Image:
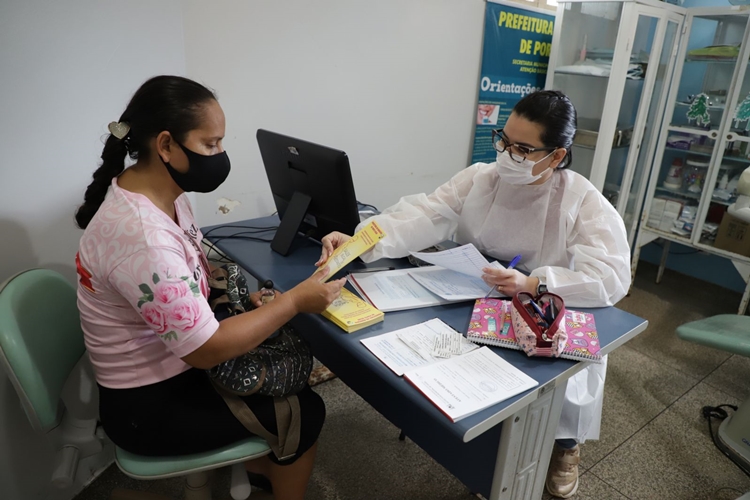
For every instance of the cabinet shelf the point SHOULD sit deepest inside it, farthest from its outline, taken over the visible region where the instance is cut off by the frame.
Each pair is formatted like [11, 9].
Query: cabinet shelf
[711, 60]
[688, 129]
[602, 78]
[614, 148]
[692, 196]
[710, 108]
[708, 155]
[667, 235]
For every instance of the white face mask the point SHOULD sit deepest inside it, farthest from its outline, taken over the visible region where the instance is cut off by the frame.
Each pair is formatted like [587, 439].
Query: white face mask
[516, 173]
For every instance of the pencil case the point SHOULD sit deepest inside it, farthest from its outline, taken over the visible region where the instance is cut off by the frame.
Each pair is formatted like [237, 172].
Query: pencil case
[539, 323]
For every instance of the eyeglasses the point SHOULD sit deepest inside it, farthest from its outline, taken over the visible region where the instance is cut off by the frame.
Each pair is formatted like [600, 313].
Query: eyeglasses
[517, 152]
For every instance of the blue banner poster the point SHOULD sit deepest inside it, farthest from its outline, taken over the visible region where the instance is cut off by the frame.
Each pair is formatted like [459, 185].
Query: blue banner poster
[517, 43]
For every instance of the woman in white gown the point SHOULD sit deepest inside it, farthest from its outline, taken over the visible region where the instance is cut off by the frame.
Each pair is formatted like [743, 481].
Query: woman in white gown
[572, 241]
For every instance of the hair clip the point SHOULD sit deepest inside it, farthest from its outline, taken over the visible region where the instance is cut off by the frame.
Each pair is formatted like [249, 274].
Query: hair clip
[119, 129]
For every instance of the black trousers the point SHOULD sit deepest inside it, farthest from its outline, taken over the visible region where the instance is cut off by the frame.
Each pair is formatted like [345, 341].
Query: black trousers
[185, 415]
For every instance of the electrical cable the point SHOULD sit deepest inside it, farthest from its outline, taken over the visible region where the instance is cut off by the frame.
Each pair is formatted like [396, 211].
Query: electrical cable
[366, 205]
[713, 496]
[237, 226]
[251, 230]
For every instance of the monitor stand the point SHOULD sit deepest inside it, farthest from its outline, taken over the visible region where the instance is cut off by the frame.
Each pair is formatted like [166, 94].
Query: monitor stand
[290, 223]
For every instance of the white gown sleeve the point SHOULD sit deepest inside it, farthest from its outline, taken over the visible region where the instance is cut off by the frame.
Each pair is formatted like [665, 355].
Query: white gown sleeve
[419, 221]
[598, 248]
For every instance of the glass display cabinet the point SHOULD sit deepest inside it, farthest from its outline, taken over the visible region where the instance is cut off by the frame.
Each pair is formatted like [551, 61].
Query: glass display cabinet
[695, 195]
[615, 60]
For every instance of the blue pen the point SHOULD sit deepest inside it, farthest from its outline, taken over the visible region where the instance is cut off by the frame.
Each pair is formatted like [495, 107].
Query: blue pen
[512, 264]
[539, 312]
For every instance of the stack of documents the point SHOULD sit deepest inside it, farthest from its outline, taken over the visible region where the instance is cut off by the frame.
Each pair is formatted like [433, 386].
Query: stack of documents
[350, 313]
[459, 378]
[456, 275]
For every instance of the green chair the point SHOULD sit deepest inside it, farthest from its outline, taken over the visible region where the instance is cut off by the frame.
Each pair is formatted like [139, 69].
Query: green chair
[40, 343]
[730, 333]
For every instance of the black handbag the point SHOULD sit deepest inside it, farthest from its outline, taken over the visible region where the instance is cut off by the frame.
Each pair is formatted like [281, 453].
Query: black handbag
[278, 367]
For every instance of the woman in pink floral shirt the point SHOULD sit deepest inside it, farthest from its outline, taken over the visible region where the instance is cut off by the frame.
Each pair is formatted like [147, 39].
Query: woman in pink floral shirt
[143, 290]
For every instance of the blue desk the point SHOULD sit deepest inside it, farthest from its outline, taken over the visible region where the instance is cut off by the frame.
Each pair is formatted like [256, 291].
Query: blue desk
[507, 461]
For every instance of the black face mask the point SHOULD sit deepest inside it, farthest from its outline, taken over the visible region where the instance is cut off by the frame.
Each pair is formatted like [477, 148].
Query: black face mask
[205, 173]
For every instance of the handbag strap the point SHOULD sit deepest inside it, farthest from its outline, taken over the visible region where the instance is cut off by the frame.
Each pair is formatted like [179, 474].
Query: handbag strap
[288, 422]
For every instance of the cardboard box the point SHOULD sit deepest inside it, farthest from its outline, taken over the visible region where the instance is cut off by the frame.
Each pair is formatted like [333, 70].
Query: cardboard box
[733, 235]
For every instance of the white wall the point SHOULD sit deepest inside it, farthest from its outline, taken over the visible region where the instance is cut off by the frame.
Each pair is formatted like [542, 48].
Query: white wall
[391, 82]
[66, 70]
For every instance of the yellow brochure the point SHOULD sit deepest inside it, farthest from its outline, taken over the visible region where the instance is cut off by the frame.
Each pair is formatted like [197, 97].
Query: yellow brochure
[350, 313]
[361, 242]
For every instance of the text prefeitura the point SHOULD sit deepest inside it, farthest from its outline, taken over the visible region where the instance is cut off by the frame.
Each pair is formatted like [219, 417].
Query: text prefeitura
[525, 23]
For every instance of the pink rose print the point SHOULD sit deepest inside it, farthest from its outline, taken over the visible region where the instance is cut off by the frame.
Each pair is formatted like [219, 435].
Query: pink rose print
[166, 292]
[182, 314]
[154, 316]
[170, 305]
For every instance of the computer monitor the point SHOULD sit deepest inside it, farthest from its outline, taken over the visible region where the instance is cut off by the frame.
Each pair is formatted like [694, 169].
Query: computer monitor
[312, 188]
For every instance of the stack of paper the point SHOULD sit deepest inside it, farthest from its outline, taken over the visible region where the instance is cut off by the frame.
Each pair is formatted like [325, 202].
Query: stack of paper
[456, 275]
[350, 313]
[461, 385]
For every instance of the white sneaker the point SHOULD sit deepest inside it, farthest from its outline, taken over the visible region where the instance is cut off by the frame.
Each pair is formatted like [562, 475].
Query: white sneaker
[562, 476]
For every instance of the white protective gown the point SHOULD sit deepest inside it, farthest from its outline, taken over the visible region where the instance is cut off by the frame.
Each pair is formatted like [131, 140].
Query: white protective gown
[566, 232]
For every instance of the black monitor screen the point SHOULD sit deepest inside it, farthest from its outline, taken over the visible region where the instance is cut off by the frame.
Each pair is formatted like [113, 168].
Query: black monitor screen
[320, 172]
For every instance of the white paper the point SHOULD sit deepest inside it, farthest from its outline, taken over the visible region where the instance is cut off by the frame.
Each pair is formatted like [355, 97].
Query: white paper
[411, 347]
[452, 286]
[465, 385]
[465, 259]
[447, 344]
[394, 290]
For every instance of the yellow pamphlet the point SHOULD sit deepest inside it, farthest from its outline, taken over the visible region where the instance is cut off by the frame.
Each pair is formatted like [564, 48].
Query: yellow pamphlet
[350, 313]
[358, 244]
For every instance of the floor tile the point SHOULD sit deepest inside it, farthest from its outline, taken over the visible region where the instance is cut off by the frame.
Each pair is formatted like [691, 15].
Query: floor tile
[666, 307]
[592, 488]
[673, 457]
[637, 389]
[360, 456]
[732, 377]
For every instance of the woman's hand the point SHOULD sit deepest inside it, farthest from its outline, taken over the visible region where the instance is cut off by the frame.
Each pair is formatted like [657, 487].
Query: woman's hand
[314, 296]
[255, 297]
[509, 281]
[330, 243]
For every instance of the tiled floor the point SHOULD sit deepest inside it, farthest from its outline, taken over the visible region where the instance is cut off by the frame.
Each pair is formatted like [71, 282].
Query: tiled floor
[654, 443]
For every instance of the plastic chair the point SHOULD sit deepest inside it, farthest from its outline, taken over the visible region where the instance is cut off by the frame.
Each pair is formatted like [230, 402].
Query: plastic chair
[40, 343]
[731, 333]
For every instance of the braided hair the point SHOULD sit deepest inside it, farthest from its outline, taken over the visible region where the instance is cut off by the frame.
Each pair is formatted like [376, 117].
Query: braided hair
[171, 103]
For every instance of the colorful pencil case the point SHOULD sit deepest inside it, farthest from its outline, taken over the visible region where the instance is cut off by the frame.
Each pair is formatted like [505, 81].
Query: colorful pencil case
[539, 323]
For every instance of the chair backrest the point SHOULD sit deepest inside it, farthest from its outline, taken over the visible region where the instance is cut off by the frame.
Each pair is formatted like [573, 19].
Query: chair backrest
[40, 341]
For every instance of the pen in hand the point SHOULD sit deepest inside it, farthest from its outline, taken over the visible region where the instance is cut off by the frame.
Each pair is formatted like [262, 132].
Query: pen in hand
[512, 264]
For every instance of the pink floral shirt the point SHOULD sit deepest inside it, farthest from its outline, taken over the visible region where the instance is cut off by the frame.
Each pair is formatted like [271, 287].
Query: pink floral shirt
[142, 290]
